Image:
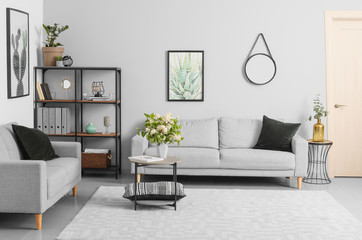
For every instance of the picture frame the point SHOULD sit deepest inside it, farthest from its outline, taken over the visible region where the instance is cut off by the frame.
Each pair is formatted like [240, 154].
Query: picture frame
[185, 75]
[17, 34]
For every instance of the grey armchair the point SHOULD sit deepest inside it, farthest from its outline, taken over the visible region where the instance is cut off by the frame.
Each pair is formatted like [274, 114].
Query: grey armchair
[30, 186]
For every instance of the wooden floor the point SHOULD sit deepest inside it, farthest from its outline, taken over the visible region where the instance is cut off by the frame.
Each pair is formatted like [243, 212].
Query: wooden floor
[347, 191]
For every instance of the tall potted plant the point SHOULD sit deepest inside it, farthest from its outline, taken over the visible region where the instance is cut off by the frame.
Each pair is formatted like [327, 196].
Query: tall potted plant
[319, 112]
[52, 49]
[161, 130]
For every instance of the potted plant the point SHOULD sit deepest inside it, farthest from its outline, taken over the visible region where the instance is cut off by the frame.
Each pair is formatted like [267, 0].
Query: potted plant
[318, 128]
[59, 61]
[52, 49]
[161, 130]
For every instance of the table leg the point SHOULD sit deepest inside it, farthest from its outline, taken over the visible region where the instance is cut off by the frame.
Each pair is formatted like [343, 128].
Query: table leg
[135, 186]
[175, 179]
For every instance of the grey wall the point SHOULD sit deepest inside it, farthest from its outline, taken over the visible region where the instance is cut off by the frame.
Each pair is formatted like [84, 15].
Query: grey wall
[20, 109]
[135, 35]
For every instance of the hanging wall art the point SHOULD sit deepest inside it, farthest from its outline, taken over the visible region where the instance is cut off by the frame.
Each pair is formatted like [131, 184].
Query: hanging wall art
[185, 76]
[17, 34]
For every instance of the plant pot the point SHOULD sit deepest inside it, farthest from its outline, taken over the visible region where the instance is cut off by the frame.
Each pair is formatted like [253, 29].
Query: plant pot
[318, 132]
[162, 150]
[59, 64]
[50, 53]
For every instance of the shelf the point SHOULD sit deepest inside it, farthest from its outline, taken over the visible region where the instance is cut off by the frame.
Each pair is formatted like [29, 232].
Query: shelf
[84, 134]
[79, 101]
[77, 68]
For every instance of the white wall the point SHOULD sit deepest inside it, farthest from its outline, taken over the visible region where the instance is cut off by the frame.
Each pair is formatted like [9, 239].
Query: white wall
[19, 109]
[135, 35]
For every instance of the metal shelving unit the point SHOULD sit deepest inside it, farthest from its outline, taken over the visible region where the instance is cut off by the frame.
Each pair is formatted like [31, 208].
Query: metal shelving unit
[78, 103]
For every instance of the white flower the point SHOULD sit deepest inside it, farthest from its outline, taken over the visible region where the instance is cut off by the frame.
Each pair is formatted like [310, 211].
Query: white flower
[153, 131]
[166, 118]
[151, 120]
[164, 130]
[172, 122]
[168, 126]
[157, 115]
[160, 128]
[147, 130]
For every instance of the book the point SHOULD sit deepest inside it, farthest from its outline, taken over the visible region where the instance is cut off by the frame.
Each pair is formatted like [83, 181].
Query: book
[58, 120]
[39, 113]
[51, 120]
[40, 92]
[46, 120]
[43, 91]
[146, 159]
[93, 150]
[47, 91]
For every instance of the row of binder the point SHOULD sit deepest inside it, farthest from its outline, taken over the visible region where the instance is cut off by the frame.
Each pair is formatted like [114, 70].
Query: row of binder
[53, 120]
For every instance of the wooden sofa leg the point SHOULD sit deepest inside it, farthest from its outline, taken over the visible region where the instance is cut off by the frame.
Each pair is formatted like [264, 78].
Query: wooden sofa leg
[75, 188]
[138, 177]
[299, 179]
[38, 219]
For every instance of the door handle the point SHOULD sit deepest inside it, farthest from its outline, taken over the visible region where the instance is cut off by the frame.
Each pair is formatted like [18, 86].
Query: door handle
[339, 105]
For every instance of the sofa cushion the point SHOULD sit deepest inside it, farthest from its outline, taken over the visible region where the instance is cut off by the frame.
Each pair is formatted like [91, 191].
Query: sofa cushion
[61, 172]
[256, 159]
[34, 143]
[276, 135]
[199, 133]
[8, 138]
[238, 133]
[190, 157]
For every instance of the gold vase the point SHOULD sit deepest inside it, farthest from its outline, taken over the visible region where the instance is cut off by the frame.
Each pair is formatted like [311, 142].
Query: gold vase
[318, 131]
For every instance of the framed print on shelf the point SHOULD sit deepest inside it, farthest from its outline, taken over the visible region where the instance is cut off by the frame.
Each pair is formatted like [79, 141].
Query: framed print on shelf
[185, 76]
[17, 34]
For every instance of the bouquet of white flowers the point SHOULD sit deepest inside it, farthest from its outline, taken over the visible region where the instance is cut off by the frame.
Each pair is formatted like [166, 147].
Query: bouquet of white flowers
[161, 129]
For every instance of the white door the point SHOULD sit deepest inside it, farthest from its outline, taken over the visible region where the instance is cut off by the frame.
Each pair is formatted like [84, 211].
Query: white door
[344, 91]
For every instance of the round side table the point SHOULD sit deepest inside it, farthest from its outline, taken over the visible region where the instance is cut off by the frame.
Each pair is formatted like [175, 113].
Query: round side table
[317, 162]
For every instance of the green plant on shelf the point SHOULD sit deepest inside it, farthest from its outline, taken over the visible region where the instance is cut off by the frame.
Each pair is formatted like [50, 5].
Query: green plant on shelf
[53, 33]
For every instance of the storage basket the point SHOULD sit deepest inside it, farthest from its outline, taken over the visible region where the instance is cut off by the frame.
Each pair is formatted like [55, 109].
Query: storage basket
[96, 160]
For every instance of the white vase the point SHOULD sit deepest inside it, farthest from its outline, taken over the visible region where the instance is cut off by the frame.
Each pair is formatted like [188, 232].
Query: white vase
[162, 149]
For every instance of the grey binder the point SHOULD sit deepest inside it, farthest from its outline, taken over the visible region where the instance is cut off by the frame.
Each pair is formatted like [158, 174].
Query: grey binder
[65, 121]
[39, 121]
[58, 121]
[46, 120]
[51, 120]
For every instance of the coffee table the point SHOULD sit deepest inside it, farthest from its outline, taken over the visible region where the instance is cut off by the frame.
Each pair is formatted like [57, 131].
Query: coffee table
[167, 161]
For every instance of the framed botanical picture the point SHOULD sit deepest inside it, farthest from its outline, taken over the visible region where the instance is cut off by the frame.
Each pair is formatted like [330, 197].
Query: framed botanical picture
[185, 76]
[17, 34]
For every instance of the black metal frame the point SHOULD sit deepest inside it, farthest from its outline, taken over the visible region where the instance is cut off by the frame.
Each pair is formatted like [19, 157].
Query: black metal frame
[168, 75]
[174, 167]
[78, 80]
[262, 54]
[317, 163]
[8, 45]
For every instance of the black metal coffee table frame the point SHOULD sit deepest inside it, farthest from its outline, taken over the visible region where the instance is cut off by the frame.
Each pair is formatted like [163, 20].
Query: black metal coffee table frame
[137, 165]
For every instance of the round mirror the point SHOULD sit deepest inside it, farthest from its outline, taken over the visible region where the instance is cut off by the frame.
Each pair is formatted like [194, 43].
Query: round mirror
[260, 69]
[66, 84]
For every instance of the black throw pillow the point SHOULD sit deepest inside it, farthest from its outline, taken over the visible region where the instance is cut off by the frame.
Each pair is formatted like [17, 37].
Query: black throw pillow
[276, 135]
[34, 144]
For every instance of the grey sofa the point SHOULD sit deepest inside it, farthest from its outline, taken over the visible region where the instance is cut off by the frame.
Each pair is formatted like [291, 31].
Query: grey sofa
[224, 147]
[29, 186]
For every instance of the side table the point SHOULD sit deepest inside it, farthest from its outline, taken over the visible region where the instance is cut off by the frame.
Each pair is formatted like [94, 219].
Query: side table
[167, 161]
[317, 162]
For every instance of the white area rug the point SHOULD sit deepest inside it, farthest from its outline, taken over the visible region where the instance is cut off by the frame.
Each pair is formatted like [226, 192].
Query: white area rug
[216, 214]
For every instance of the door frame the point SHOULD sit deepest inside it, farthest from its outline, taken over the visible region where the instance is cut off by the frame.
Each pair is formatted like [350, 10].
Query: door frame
[330, 17]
